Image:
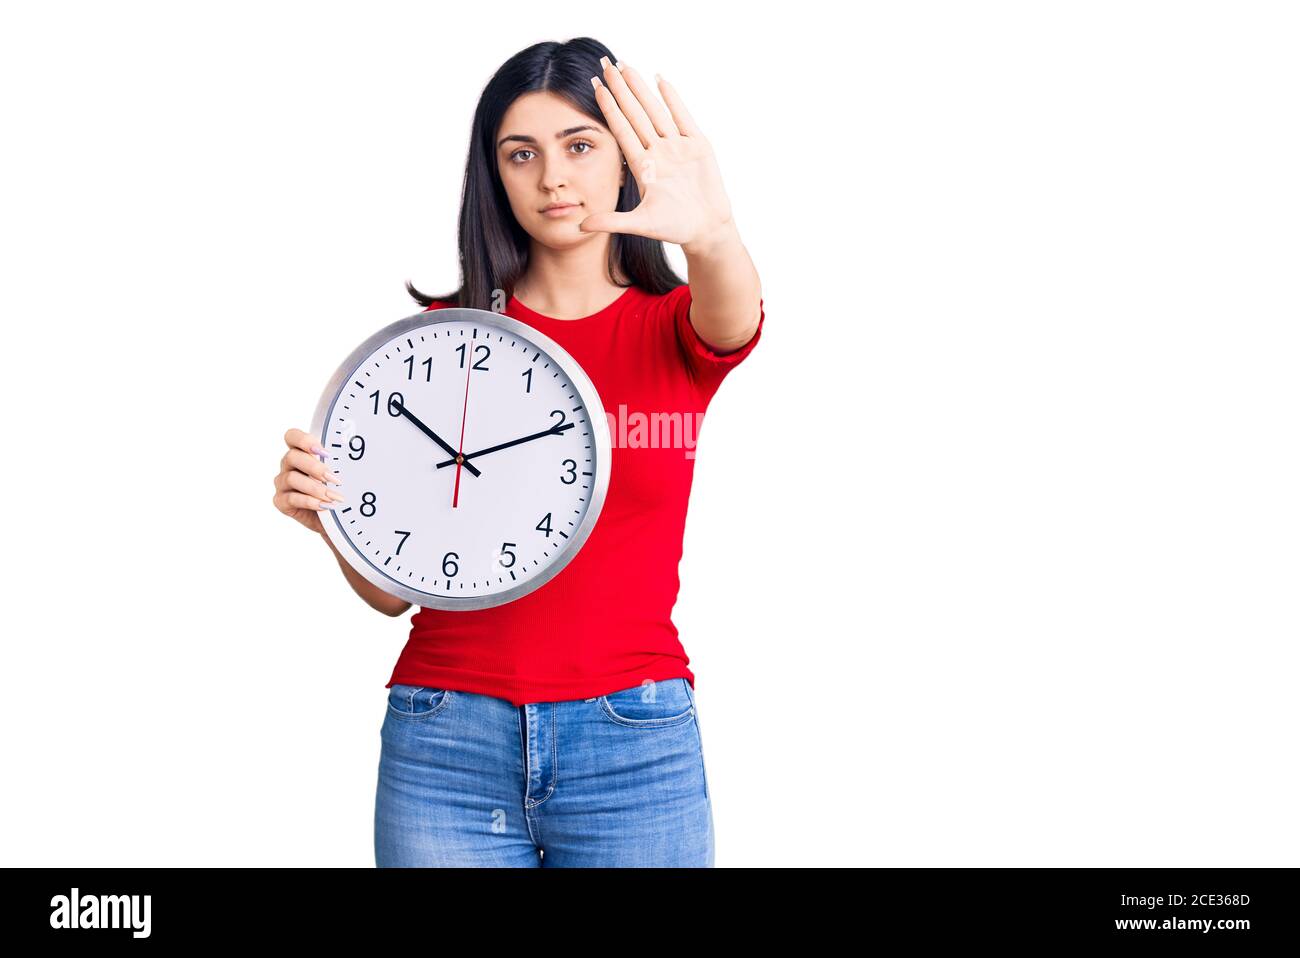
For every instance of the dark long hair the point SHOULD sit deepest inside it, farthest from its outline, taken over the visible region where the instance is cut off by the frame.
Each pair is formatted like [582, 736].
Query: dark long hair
[493, 246]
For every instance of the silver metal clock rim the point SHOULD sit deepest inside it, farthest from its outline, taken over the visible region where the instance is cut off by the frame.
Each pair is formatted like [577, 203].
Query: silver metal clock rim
[600, 441]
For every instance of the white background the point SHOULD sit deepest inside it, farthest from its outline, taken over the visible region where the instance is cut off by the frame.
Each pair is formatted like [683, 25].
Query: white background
[992, 553]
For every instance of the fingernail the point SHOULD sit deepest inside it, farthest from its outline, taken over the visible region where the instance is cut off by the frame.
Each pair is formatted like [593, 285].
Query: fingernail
[325, 505]
[595, 83]
[335, 496]
[318, 450]
[619, 64]
[604, 61]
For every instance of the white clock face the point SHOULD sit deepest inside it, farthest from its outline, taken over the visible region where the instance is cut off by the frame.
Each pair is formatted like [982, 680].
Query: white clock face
[469, 463]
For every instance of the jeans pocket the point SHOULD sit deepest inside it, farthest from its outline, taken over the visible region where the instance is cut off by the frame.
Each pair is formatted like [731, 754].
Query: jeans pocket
[649, 705]
[416, 701]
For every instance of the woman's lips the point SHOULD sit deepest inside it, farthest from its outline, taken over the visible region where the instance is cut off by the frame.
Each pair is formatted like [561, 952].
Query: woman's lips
[559, 211]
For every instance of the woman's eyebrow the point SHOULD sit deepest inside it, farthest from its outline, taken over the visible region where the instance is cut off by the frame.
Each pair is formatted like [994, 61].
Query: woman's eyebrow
[559, 136]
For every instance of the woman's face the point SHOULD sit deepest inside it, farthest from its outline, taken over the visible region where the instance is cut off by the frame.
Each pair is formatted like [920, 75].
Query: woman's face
[548, 152]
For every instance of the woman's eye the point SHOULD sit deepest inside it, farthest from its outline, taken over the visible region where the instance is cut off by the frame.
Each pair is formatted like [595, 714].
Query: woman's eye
[514, 157]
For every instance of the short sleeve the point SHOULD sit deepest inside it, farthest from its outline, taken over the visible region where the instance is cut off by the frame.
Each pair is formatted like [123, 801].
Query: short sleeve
[706, 366]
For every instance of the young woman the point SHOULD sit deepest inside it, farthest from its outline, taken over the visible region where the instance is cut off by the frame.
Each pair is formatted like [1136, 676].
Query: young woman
[561, 729]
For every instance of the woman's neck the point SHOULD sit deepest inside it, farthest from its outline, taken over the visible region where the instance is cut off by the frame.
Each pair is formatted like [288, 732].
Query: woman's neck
[568, 284]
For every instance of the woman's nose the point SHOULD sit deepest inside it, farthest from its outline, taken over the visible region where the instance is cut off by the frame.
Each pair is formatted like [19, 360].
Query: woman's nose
[552, 176]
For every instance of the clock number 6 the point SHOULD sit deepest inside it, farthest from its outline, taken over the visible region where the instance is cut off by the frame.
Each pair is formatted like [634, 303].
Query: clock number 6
[450, 560]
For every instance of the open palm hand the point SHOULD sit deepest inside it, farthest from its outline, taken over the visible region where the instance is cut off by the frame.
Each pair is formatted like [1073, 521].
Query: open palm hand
[682, 197]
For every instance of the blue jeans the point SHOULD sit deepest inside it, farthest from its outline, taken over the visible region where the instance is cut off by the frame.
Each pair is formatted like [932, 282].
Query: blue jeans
[469, 780]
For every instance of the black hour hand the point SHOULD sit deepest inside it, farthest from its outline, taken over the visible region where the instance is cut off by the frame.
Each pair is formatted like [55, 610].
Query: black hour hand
[401, 407]
[553, 431]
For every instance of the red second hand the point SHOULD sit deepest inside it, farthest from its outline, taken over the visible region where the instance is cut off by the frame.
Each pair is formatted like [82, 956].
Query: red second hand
[460, 449]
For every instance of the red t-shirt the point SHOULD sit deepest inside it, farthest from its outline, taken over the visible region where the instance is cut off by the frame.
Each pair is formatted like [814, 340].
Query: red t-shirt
[604, 622]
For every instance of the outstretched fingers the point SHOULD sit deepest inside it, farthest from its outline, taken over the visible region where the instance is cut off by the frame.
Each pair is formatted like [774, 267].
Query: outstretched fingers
[631, 106]
[624, 135]
[662, 120]
[685, 122]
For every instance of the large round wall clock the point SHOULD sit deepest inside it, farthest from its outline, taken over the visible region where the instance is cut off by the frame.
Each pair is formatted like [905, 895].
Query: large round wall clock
[474, 455]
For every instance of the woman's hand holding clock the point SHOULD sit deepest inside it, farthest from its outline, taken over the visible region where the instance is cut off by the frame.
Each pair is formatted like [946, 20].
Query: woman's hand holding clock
[682, 197]
[300, 485]
[301, 489]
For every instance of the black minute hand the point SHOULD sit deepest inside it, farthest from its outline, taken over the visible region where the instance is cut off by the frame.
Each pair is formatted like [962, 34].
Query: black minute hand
[432, 435]
[553, 431]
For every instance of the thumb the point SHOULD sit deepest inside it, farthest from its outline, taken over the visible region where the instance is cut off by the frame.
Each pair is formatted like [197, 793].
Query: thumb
[610, 223]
